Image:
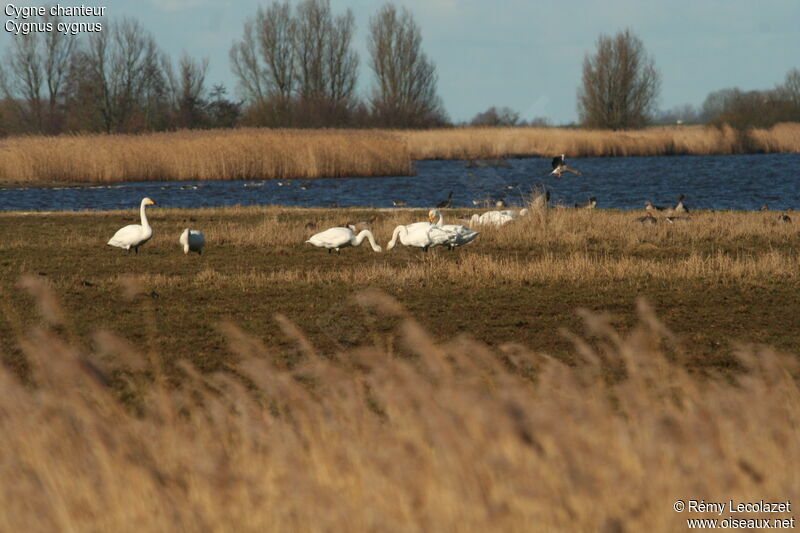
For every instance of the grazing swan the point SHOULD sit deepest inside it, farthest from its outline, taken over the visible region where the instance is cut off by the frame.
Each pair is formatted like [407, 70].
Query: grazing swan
[416, 235]
[135, 235]
[450, 235]
[192, 241]
[591, 204]
[560, 166]
[335, 238]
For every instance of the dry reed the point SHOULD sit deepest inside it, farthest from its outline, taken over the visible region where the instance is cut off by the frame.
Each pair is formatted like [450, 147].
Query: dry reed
[405, 434]
[203, 155]
[282, 154]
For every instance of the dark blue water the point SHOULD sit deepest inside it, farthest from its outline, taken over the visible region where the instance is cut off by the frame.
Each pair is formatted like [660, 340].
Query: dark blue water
[710, 182]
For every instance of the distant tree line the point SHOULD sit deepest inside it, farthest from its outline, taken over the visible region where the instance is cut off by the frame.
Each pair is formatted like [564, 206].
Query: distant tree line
[295, 66]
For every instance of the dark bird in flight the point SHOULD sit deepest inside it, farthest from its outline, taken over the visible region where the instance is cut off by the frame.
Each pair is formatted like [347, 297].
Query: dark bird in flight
[560, 166]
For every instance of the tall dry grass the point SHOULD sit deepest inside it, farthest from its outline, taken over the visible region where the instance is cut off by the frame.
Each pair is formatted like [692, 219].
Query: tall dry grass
[404, 434]
[203, 155]
[472, 143]
[281, 154]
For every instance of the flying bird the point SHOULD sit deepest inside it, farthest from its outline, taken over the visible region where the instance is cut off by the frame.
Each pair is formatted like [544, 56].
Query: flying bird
[560, 166]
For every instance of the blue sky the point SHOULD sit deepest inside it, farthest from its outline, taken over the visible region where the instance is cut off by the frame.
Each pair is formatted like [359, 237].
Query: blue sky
[526, 55]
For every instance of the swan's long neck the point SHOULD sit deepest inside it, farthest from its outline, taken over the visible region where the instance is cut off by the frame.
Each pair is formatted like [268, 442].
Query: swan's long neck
[145, 224]
[395, 235]
[440, 221]
[358, 239]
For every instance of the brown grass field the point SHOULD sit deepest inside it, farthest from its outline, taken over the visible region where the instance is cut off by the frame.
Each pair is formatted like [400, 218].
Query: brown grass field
[281, 154]
[571, 371]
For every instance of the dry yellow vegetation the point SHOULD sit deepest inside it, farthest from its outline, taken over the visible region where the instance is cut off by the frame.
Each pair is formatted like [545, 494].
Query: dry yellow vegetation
[252, 153]
[448, 436]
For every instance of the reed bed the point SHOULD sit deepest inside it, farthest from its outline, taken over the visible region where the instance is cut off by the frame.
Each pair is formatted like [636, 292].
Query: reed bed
[481, 143]
[253, 153]
[403, 433]
[203, 155]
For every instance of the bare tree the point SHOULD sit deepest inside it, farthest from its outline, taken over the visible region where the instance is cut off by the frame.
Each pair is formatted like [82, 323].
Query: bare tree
[300, 64]
[246, 66]
[188, 91]
[790, 90]
[494, 116]
[620, 84]
[276, 36]
[35, 73]
[326, 66]
[405, 90]
[122, 69]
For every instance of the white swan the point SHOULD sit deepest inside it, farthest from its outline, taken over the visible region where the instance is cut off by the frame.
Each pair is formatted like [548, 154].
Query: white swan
[450, 235]
[491, 218]
[135, 235]
[335, 238]
[416, 235]
[192, 241]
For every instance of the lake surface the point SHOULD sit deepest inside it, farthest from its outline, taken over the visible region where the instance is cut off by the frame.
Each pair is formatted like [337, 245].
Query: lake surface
[743, 182]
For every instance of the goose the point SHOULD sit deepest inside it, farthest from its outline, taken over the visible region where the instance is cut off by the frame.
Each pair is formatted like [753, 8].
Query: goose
[680, 208]
[647, 220]
[591, 204]
[192, 240]
[134, 235]
[560, 166]
[416, 235]
[784, 219]
[363, 224]
[541, 200]
[335, 238]
[677, 220]
[446, 203]
[450, 235]
[648, 205]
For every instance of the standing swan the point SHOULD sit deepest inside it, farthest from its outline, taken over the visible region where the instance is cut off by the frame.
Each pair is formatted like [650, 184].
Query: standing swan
[135, 235]
[335, 238]
[192, 241]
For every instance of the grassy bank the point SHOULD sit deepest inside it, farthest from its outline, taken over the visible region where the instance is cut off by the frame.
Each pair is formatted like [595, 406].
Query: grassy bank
[282, 154]
[270, 386]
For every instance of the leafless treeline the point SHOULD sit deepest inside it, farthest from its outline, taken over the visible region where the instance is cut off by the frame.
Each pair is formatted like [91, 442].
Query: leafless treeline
[296, 67]
[112, 81]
